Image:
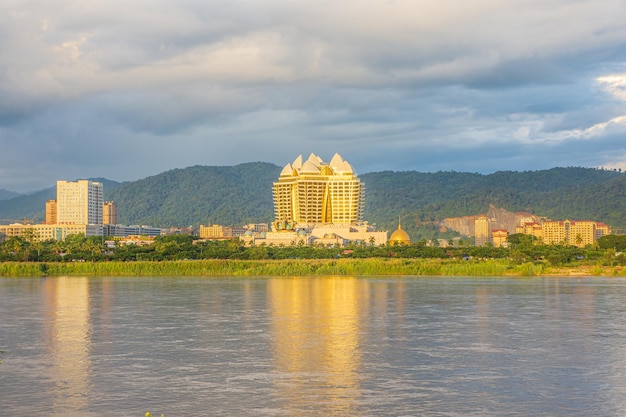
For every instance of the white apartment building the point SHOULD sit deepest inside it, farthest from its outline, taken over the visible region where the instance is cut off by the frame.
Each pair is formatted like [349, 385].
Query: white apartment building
[79, 202]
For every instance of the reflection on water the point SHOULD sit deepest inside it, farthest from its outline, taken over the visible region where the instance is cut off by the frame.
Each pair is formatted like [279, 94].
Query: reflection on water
[68, 341]
[313, 346]
[315, 325]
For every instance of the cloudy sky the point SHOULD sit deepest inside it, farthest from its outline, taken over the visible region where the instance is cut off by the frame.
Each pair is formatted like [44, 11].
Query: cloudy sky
[129, 89]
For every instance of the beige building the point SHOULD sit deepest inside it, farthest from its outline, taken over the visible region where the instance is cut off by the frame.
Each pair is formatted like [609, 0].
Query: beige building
[553, 232]
[109, 212]
[482, 230]
[42, 232]
[569, 232]
[79, 202]
[530, 228]
[215, 231]
[78, 208]
[499, 237]
[51, 212]
[602, 230]
[330, 234]
[565, 232]
[314, 192]
[344, 234]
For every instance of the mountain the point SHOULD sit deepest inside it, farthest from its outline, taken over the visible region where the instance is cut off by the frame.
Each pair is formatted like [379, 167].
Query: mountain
[199, 195]
[421, 200]
[6, 194]
[236, 195]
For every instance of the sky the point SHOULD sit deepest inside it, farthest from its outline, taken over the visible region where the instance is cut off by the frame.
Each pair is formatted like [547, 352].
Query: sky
[129, 89]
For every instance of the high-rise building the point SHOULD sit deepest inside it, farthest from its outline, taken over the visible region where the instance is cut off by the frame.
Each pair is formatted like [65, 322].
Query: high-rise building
[109, 212]
[482, 230]
[51, 212]
[79, 202]
[314, 192]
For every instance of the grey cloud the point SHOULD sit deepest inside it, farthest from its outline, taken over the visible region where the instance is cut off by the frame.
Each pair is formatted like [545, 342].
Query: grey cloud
[125, 89]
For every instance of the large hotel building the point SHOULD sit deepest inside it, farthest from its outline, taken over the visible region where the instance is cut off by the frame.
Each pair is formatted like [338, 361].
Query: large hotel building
[313, 192]
[317, 202]
[79, 202]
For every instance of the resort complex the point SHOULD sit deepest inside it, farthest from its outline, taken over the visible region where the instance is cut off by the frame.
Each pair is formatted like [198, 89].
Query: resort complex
[314, 202]
[317, 202]
[313, 192]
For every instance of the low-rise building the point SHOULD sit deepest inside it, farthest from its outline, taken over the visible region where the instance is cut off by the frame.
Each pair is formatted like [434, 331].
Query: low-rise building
[122, 230]
[43, 232]
[215, 231]
[499, 237]
[330, 234]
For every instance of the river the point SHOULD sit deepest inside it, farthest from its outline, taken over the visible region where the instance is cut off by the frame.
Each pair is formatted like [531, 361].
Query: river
[313, 346]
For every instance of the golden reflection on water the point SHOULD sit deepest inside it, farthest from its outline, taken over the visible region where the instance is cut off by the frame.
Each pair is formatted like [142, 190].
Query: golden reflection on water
[315, 324]
[69, 334]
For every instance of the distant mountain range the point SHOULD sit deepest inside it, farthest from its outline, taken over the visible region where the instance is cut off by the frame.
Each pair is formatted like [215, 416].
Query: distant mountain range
[235, 195]
[6, 195]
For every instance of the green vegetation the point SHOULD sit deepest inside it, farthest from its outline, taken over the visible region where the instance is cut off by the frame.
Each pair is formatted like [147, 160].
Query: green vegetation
[243, 194]
[199, 195]
[423, 199]
[184, 255]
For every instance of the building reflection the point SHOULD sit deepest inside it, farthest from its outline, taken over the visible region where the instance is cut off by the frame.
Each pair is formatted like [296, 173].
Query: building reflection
[68, 341]
[315, 324]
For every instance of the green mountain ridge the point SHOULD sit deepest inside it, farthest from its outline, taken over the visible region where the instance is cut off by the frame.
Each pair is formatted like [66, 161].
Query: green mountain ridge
[236, 195]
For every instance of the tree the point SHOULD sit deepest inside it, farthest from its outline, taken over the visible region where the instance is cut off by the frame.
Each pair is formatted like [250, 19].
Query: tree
[521, 240]
[616, 242]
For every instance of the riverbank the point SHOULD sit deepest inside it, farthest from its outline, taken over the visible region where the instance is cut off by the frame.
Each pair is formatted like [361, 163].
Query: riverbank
[302, 267]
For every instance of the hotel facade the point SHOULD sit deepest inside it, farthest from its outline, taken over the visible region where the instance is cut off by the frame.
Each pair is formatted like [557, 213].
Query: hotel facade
[565, 232]
[313, 192]
[316, 202]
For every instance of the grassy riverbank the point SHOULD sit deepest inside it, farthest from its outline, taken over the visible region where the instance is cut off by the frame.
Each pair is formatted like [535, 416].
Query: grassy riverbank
[295, 267]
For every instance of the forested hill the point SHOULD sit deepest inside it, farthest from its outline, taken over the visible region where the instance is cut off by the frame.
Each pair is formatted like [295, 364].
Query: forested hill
[236, 195]
[422, 199]
[228, 195]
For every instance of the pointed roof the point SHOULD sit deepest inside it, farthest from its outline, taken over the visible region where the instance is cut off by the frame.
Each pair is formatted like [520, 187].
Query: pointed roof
[315, 160]
[287, 171]
[310, 167]
[340, 165]
[297, 163]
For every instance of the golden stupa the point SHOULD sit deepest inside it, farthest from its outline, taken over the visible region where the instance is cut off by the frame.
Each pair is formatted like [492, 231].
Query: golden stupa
[399, 237]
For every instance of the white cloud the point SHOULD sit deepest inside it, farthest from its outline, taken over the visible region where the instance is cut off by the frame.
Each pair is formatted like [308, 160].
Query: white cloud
[615, 84]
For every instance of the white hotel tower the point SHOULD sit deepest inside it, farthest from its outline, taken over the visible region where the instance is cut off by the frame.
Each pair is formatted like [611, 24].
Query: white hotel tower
[79, 202]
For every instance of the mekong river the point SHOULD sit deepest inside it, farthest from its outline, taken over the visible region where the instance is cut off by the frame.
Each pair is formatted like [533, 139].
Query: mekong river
[313, 346]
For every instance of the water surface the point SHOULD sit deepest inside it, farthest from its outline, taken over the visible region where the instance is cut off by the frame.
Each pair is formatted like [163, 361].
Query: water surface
[317, 346]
